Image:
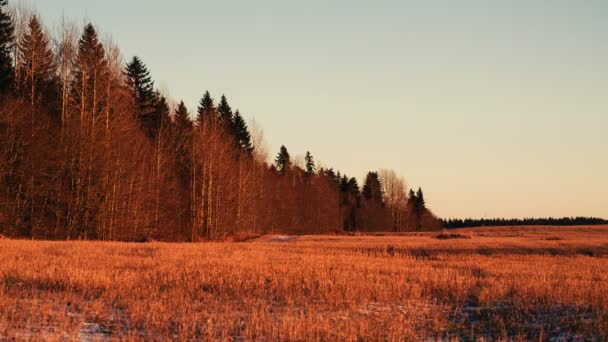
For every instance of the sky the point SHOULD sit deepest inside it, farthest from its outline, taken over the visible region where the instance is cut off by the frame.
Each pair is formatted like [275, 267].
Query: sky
[494, 108]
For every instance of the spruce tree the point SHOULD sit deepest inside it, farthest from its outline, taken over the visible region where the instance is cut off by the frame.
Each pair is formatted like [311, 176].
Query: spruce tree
[7, 73]
[39, 69]
[353, 187]
[419, 203]
[420, 199]
[162, 110]
[205, 108]
[412, 196]
[344, 183]
[310, 164]
[182, 117]
[283, 160]
[142, 89]
[372, 189]
[91, 70]
[224, 112]
[241, 133]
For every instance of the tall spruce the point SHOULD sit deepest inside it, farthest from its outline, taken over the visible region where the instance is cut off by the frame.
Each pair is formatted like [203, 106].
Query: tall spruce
[310, 164]
[142, 89]
[412, 196]
[7, 72]
[224, 112]
[283, 160]
[241, 133]
[162, 109]
[91, 70]
[420, 203]
[205, 109]
[39, 69]
[182, 117]
[372, 189]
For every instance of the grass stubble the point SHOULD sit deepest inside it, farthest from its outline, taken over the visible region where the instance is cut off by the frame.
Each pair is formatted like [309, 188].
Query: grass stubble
[509, 283]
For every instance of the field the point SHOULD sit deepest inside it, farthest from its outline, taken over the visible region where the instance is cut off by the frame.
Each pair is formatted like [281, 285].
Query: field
[506, 283]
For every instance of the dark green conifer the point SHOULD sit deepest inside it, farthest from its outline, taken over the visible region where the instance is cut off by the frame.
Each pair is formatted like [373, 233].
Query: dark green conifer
[7, 40]
[372, 189]
[420, 203]
[90, 70]
[224, 112]
[283, 160]
[241, 133]
[142, 89]
[38, 66]
[310, 164]
[182, 117]
[205, 108]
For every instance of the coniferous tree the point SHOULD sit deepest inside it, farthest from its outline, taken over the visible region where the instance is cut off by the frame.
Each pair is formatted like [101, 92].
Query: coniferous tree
[224, 112]
[89, 107]
[420, 204]
[412, 196]
[161, 109]
[182, 117]
[372, 189]
[183, 151]
[241, 133]
[310, 164]
[91, 72]
[350, 202]
[205, 108]
[283, 160]
[142, 89]
[6, 44]
[39, 69]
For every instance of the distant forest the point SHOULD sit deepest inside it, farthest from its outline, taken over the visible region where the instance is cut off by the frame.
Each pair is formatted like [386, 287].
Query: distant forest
[91, 149]
[564, 221]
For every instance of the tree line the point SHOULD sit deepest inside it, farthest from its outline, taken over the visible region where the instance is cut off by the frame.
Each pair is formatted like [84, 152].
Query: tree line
[549, 221]
[91, 149]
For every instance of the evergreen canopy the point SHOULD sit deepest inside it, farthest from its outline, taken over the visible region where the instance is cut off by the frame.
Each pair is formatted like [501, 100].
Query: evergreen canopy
[6, 45]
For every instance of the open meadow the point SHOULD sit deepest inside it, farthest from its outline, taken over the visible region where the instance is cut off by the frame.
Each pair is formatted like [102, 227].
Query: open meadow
[512, 283]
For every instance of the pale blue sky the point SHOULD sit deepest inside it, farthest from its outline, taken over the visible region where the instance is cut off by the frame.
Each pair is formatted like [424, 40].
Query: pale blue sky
[496, 108]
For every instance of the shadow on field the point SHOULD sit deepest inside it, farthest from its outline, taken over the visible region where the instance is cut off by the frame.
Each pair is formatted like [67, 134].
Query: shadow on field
[433, 253]
[510, 322]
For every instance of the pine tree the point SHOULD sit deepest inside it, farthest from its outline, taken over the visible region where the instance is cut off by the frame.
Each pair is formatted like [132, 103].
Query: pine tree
[39, 69]
[6, 44]
[241, 133]
[205, 108]
[372, 189]
[310, 164]
[142, 89]
[283, 160]
[224, 112]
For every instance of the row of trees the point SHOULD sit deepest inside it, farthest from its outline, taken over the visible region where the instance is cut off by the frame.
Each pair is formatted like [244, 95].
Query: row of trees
[92, 150]
[549, 221]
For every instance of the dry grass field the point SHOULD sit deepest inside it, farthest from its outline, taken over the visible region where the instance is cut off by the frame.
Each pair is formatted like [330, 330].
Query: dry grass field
[509, 283]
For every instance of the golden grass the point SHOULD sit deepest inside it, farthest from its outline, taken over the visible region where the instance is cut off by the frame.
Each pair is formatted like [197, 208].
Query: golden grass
[503, 283]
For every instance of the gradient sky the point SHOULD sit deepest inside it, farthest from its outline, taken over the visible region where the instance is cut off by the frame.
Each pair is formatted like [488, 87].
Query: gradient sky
[495, 108]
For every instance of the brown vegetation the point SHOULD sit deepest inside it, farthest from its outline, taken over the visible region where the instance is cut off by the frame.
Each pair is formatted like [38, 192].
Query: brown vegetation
[503, 283]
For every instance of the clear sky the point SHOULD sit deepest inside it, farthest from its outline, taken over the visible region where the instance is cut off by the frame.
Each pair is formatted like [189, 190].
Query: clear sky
[495, 108]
